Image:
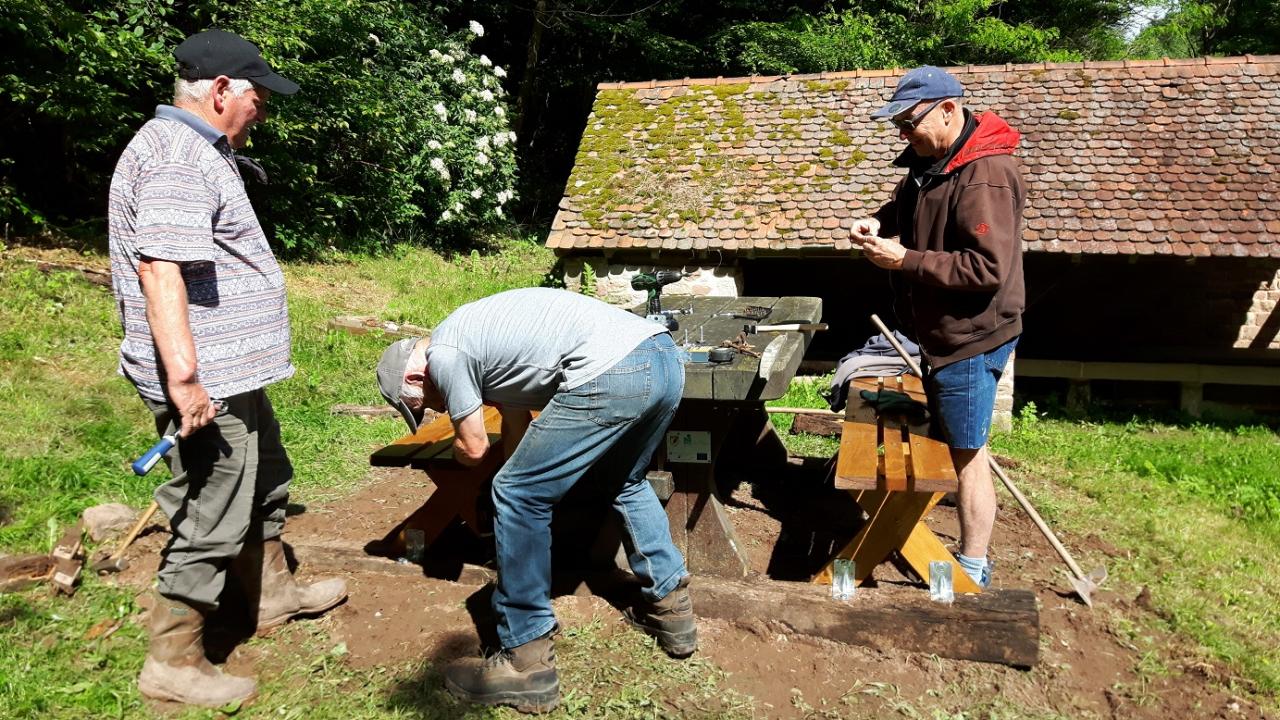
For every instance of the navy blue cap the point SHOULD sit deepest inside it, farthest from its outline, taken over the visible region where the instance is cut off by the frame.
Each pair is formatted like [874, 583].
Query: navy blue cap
[211, 53]
[923, 83]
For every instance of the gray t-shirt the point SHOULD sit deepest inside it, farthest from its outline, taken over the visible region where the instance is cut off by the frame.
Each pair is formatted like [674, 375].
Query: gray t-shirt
[520, 347]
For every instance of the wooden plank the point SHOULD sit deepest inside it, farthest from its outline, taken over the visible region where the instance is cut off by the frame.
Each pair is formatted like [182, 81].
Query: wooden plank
[859, 464]
[931, 466]
[996, 627]
[1146, 371]
[429, 441]
[895, 461]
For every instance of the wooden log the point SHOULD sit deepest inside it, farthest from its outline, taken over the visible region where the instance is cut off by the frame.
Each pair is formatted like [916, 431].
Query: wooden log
[359, 325]
[998, 626]
[368, 411]
[23, 571]
[96, 276]
[816, 424]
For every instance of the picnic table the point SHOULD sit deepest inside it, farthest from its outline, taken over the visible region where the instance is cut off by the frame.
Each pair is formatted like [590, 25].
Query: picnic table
[897, 473]
[722, 413]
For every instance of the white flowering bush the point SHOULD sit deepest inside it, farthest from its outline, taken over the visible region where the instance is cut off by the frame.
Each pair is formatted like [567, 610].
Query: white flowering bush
[400, 133]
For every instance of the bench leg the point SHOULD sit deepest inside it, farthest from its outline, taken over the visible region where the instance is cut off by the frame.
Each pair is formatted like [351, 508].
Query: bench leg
[455, 497]
[895, 521]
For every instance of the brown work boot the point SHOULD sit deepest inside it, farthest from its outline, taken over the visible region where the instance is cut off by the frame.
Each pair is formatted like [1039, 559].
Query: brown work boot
[176, 668]
[670, 620]
[272, 591]
[523, 677]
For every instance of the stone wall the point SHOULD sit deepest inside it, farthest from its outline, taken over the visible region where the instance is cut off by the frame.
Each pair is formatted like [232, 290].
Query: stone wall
[1262, 318]
[1002, 419]
[613, 281]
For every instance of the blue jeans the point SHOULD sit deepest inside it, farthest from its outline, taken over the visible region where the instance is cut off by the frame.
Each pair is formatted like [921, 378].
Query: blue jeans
[611, 424]
[962, 396]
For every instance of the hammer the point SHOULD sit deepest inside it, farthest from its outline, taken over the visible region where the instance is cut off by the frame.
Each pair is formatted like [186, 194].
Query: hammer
[752, 328]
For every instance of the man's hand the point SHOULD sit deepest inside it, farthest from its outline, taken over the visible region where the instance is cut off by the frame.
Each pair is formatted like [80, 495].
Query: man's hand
[865, 229]
[193, 405]
[884, 253]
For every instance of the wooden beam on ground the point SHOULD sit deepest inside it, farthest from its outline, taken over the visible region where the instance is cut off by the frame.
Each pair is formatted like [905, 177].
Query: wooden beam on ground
[348, 559]
[997, 626]
[817, 424]
[368, 411]
[359, 325]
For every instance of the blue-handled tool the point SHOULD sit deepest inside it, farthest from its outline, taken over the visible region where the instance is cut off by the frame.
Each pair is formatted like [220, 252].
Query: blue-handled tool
[143, 465]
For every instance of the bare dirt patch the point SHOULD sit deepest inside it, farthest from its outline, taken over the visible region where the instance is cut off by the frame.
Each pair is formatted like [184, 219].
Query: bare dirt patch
[1093, 663]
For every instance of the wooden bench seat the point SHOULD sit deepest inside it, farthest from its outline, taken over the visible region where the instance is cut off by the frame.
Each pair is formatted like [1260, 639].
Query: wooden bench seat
[896, 473]
[460, 490]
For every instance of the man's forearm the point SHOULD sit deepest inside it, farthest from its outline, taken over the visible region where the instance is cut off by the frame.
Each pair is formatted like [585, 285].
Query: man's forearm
[166, 295]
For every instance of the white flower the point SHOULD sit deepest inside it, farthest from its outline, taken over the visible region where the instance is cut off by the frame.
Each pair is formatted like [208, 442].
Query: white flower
[499, 139]
[482, 159]
[433, 145]
[434, 54]
[497, 210]
[446, 58]
[375, 39]
[499, 111]
[469, 115]
[476, 193]
[487, 80]
[482, 142]
[458, 76]
[485, 61]
[441, 110]
[477, 28]
[486, 95]
[505, 195]
[511, 135]
[446, 216]
[497, 70]
[457, 206]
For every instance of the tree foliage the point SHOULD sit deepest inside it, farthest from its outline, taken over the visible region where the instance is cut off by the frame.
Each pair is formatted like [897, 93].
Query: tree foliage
[400, 131]
[1190, 28]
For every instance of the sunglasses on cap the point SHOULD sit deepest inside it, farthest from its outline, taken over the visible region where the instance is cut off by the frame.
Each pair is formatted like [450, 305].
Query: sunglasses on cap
[913, 122]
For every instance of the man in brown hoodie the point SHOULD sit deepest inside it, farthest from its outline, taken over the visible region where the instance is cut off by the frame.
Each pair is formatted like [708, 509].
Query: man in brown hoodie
[957, 272]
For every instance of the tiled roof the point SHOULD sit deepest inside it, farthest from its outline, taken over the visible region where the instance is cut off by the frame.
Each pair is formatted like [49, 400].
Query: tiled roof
[1174, 157]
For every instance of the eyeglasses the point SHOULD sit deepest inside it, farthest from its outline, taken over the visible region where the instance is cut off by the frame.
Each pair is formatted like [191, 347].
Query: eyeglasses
[913, 122]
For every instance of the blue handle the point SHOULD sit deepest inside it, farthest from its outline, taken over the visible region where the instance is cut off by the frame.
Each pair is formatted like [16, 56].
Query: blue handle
[143, 465]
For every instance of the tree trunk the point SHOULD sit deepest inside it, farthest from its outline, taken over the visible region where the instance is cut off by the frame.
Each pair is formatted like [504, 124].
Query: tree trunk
[525, 97]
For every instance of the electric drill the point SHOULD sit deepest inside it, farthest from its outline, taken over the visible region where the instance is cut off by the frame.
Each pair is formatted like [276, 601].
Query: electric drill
[653, 282]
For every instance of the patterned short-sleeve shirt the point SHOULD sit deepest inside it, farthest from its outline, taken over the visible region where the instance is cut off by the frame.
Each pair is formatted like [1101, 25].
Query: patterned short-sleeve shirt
[177, 195]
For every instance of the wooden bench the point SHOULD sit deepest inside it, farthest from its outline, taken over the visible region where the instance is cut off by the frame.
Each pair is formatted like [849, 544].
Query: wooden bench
[896, 473]
[460, 490]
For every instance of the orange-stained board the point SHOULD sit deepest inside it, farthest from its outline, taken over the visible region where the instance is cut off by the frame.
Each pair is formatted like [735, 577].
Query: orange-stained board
[435, 439]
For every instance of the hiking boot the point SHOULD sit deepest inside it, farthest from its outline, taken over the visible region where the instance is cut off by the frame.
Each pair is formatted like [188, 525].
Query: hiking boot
[176, 668]
[670, 620]
[523, 677]
[272, 591]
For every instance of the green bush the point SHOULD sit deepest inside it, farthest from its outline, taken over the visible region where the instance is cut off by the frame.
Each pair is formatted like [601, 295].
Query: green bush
[399, 134]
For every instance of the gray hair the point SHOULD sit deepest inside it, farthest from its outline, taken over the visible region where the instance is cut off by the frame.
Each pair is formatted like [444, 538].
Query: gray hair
[198, 90]
[410, 391]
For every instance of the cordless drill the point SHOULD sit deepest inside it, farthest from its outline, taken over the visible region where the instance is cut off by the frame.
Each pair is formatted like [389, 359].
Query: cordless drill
[653, 283]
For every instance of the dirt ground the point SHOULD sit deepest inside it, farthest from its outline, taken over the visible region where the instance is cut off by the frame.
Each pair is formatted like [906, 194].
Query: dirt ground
[1088, 667]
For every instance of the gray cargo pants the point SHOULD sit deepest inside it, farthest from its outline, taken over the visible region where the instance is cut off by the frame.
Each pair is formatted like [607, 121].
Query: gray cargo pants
[230, 484]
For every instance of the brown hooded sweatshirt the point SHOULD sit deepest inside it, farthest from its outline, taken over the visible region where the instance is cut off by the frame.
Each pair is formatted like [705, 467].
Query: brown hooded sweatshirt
[960, 219]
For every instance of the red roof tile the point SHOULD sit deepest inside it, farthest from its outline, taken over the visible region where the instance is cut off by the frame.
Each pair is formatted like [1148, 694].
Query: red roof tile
[1137, 157]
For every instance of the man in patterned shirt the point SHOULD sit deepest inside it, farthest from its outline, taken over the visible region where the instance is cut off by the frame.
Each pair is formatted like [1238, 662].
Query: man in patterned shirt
[202, 302]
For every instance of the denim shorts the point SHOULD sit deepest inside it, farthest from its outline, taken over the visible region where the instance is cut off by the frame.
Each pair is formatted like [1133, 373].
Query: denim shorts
[962, 396]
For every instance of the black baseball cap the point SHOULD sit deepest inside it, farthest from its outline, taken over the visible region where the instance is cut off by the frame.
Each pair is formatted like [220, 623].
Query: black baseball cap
[211, 53]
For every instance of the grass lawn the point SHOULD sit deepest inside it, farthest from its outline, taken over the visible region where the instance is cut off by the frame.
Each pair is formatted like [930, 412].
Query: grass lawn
[1193, 510]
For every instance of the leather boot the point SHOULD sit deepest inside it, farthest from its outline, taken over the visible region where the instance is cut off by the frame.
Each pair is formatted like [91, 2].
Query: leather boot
[273, 593]
[176, 668]
[670, 620]
[523, 677]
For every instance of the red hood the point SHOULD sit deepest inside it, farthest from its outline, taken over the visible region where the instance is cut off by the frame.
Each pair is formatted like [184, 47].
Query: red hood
[992, 136]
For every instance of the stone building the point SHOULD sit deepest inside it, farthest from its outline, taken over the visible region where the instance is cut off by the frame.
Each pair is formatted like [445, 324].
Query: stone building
[1152, 232]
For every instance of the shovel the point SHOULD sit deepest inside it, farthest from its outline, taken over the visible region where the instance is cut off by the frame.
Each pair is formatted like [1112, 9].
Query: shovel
[1083, 584]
